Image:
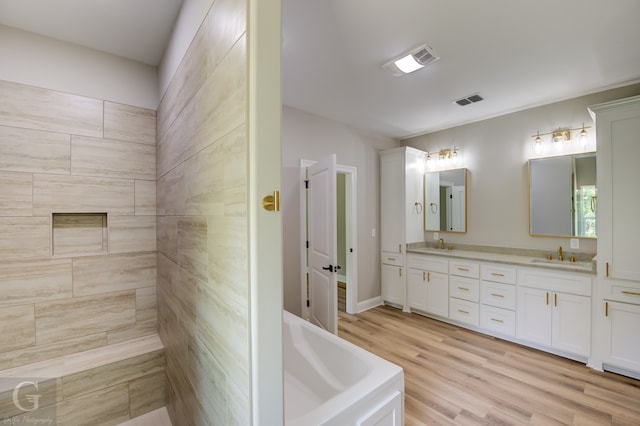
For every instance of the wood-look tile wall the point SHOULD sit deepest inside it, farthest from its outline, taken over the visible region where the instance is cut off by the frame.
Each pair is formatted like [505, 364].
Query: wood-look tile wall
[63, 153]
[202, 225]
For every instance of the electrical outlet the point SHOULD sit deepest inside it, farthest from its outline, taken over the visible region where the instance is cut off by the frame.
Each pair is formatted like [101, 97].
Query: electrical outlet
[575, 243]
[436, 236]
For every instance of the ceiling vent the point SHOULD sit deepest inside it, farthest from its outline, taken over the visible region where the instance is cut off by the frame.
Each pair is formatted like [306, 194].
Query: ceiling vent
[469, 100]
[411, 61]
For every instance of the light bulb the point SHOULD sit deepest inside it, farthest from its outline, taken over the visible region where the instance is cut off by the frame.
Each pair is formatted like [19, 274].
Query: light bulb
[582, 139]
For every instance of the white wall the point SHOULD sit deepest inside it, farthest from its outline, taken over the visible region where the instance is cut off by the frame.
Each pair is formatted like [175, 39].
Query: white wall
[34, 60]
[496, 152]
[309, 137]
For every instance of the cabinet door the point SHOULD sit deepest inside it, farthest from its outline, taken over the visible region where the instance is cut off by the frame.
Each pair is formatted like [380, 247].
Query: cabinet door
[571, 330]
[417, 289]
[414, 196]
[623, 346]
[437, 294]
[393, 284]
[534, 315]
[617, 127]
[392, 201]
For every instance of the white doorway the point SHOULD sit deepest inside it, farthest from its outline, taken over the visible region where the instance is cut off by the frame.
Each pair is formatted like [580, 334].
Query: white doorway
[349, 270]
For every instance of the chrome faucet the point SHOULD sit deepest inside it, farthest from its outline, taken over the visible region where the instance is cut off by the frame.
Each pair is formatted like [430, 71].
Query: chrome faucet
[560, 258]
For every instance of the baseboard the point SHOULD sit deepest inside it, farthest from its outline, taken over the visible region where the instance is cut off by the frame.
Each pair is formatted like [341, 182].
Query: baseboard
[369, 304]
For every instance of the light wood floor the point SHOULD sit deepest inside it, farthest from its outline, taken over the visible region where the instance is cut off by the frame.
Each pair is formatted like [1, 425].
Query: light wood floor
[455, 376]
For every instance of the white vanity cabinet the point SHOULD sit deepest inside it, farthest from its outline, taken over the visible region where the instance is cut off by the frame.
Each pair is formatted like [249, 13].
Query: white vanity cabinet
[401, 215]
[498, 299]
[554, 310]
[428, 284]
[393, 279]
[618, 299]
[464, 291]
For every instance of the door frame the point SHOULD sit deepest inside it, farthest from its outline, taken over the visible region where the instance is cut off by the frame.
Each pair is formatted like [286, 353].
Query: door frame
[351, 231]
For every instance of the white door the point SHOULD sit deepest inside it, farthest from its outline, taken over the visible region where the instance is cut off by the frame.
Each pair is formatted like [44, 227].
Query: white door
[323, 276]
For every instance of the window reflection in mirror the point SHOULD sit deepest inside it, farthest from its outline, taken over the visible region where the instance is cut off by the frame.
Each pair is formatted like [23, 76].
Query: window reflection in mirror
[563, 196]
[445, 200]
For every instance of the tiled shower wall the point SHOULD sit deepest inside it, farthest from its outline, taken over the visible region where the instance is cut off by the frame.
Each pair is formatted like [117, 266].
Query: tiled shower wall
[77, 223]
[203, 282]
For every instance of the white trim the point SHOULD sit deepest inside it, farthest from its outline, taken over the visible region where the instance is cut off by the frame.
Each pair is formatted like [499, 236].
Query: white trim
[365, 305]
[266, 372]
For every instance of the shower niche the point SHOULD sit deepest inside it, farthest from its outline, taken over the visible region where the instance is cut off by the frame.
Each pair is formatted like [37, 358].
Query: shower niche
[79, 234]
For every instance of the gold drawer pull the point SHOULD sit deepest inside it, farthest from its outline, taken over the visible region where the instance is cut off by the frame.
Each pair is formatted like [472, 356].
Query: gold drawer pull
[393, 259]
[497, 320]
[463, 289]
[631, 293]
[497, 295]
[463, 312]
[606, 309]
[495, 274]
[463, 269]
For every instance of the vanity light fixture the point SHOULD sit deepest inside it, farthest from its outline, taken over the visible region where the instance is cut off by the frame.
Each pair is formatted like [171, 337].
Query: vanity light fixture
[561, 135]
[411, 61]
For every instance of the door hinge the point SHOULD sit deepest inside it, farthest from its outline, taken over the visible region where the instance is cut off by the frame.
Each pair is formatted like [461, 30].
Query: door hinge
[306, 184]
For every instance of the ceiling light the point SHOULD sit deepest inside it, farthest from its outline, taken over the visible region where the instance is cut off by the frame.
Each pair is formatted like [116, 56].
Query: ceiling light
[411, 61]
[408, 64]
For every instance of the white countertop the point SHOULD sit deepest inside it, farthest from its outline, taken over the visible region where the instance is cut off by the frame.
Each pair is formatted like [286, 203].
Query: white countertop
[511, 259]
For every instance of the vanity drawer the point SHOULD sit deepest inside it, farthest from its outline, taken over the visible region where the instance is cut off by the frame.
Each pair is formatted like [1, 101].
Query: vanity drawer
[464, 311]
[498, 294]
[499, 274]
[392, 258]
[464, 288]
[626, 294]
[428, 263]
[464, 269]
[563, 282]
[498, 320]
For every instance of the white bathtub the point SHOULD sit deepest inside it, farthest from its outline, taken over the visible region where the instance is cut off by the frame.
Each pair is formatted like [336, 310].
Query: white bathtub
[329, 381]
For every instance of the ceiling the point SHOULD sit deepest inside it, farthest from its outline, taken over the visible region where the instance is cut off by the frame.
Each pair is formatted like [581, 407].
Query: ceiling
[515, 53]
[134, 29]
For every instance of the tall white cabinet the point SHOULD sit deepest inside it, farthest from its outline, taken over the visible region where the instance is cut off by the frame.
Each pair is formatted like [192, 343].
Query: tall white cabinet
[401, 216]
[618, 206]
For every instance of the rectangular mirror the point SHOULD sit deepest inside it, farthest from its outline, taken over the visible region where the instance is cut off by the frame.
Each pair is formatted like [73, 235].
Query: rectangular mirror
[562, 196]
[445, 200]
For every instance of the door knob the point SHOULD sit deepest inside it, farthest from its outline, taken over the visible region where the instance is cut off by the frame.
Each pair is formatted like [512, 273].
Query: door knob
[328, 268]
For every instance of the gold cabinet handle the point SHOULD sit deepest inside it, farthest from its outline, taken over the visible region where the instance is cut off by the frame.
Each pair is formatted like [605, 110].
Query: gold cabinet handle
[606, 309]
[547, 302]
[497, 320]
[607, 269]
[495, 274]
[555, 299]
[400, 271]
[497, 295]
[399, 248]
[463, 312]
[463, 289]
[424, 276]
[429, 276]
[392, 259]
[631, 293]
[463, 269]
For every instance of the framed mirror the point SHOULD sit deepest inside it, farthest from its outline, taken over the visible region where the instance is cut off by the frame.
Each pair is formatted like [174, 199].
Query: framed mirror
[563, 196]
[445, 200]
